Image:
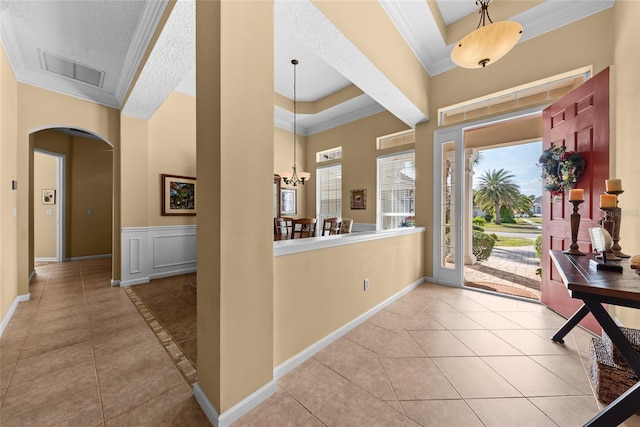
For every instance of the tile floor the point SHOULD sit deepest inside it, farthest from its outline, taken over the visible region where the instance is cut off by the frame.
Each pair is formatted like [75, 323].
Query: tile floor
[80, 353]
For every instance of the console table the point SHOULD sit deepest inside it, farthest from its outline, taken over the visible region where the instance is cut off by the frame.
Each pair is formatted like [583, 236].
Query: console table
[596, 287]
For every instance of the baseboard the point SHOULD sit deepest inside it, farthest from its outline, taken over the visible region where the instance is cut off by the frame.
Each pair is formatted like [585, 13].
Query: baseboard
[49, 259]
[84, 258]
[173, 273]
[12, 309]
[288, 365]
[236, 411]
[133, 282]
[115, 282]
[32, 275]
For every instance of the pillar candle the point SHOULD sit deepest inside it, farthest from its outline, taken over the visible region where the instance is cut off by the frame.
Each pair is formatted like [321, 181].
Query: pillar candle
[608, 201]
[613, 185]
[576, 194]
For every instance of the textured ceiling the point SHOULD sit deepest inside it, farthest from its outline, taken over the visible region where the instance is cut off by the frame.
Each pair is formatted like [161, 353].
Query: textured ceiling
[112, 36]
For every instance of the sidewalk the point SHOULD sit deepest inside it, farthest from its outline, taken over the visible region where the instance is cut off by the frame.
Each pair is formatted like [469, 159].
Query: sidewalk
[510, 270]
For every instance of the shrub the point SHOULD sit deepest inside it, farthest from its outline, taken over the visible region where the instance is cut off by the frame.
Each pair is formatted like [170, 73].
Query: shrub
[482, 245]
[506, 216]
[538, 246]
[479, 221]
[477, 227]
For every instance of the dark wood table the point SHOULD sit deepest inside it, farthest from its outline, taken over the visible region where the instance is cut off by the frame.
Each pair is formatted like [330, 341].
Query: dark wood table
[596, 287]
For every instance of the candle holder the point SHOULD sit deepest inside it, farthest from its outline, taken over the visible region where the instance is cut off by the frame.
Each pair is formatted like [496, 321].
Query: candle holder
[575, 225]
[608, 223]
[617, 220]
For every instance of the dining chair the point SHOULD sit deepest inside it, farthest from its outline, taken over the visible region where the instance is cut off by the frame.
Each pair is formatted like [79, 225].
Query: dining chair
[280, 229]
[304, 227]
[331, 226]
[347, 224]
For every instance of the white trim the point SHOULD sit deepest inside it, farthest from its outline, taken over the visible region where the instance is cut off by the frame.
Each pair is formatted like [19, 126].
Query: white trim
[12, 310]
[83, 258]
[49, 259]
[115, 282]
[293, 246]
[288, 365]
[32, 275]
[236, 411]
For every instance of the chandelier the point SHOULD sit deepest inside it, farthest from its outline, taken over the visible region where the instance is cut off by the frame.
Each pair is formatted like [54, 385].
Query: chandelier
[294, 178]
[488, 43]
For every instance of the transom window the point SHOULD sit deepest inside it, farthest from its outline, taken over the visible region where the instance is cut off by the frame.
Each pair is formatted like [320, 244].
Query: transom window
[331, 154]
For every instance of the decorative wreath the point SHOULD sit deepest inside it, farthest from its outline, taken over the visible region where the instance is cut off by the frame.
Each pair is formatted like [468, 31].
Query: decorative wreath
[561, 169]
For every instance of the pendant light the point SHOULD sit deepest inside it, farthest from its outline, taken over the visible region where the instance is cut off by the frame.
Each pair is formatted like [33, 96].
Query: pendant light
[488, 43]
[294, 178]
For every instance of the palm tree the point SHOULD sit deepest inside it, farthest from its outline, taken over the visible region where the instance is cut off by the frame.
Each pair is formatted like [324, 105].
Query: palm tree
[496, 189]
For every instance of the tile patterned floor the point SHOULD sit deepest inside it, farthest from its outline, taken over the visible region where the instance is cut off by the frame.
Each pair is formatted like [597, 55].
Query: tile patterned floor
[80, 353]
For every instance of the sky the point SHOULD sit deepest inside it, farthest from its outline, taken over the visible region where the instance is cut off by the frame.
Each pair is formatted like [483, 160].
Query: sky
[520, 160]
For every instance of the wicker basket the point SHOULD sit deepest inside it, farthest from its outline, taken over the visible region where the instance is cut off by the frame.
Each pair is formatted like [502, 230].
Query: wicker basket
[633, 335]
[609, 380]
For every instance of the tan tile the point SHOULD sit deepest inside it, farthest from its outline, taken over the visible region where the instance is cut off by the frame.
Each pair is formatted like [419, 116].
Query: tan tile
[53, 316]
[508, 413]
[38, 343]
[47, 391]
[115, 341]
[370, 336]
[59, 303]
[74, 408]
[441, 413]
[10, 346]
[569, 368]
[465, 305]
[352, 406]
[417, 379]
[402, 345]
[485, 343]
[176, 406]
[531, 320]
[124, 393]
[440, 306]
[312, 384]
[128, 360]
[6, 371]
[62, 324]
[418, 297]
[530, 343]
[455, 320]
[530, 378]
[388, 320]
[278, 410]
[490, 320]
[404, 309]
[473, 378]
[567, 411]
[440, 343]
[118, 324]
[48, 363]
[359, 365]
[423, 322]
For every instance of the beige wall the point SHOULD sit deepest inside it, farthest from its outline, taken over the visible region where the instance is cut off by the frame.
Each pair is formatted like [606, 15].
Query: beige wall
[359, 160]
[172, 150]
[311, 301]
[134, 169]
[8, 172]
[626, 105]
[89, 186]
[45, 217]
[41, 109]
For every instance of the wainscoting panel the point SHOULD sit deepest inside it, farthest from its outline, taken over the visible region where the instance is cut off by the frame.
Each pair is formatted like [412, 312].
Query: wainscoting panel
[153, 252]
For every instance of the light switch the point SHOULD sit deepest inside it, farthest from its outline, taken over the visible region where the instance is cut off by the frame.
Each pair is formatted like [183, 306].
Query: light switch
[89, 212]
[49, 212]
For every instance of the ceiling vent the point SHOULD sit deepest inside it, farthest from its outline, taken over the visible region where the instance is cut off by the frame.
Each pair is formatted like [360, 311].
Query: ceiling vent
[73, 70]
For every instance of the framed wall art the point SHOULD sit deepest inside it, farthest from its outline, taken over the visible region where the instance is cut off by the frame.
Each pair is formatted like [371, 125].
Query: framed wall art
[358, 199]
[288, 202]
[178, 195]
[48, 197]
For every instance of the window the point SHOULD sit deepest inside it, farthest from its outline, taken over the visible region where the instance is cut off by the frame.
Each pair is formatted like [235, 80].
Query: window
[396, 191]
[331, 154]
[329, 190]
[393, 140]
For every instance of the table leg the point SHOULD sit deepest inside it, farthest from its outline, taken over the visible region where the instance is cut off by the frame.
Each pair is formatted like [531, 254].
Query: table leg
[570, 324]
[617, 338]
[619, 410]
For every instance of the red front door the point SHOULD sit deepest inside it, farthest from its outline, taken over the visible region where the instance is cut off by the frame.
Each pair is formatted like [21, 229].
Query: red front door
[580, 122]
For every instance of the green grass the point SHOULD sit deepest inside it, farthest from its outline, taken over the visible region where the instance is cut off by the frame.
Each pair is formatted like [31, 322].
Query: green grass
[490, 227]
[513, 242]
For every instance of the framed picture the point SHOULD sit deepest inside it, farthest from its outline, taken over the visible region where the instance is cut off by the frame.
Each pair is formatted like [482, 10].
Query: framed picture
[178, 195]
[288, 201]
[358, 199]
[48, 197]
